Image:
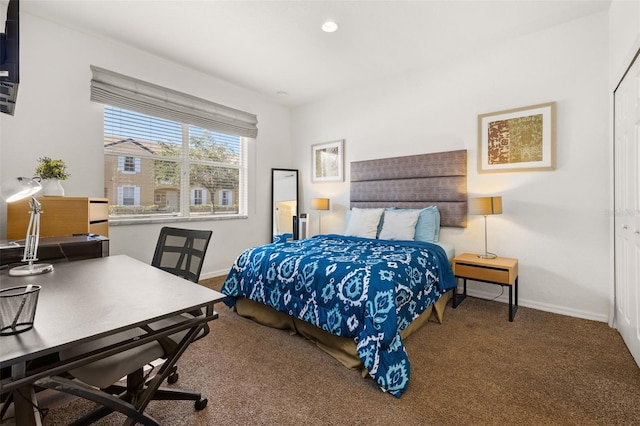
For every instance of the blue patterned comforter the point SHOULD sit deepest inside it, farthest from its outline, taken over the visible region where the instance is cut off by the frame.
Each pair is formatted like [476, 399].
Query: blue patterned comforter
[365, 289]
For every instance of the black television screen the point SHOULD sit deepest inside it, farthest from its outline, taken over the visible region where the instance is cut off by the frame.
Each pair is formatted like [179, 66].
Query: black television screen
[10, 59]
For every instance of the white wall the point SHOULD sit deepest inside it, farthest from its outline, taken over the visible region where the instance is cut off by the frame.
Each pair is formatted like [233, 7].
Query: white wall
[54, 117]
[557, 222]
[624, 37]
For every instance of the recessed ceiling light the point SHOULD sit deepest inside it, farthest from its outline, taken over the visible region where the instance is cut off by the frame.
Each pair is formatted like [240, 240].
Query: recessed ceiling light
[329, 27]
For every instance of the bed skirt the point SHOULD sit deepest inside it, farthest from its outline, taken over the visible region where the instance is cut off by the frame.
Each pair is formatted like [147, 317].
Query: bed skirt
[341, 348]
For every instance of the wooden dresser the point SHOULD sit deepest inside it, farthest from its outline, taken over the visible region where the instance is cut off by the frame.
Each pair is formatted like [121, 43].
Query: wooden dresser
[60, 216]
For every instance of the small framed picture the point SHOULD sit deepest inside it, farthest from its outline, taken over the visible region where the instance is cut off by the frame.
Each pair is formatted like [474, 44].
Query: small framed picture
[327, 161]
[521, 139]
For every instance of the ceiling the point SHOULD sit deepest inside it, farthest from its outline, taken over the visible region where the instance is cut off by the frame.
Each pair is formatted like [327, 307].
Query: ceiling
[278, 46]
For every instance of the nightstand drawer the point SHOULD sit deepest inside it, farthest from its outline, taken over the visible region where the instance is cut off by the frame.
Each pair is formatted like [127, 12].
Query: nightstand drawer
[482, 273]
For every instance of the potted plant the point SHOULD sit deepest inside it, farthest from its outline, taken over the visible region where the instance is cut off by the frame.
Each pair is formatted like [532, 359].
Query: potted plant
[51, 172]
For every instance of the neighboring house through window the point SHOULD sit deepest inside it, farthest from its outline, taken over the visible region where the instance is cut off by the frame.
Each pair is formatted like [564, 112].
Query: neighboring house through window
[150, 162]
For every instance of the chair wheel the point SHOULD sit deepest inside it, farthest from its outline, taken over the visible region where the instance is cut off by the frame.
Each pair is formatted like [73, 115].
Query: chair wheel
[201, 403]
[171, 379]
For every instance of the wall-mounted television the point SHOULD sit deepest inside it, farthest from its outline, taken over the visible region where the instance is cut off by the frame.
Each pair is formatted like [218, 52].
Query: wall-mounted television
[9, 57]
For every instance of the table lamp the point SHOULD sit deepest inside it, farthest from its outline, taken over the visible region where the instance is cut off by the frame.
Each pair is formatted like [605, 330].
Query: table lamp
[320, 204]
[19, 189]
[486, 206]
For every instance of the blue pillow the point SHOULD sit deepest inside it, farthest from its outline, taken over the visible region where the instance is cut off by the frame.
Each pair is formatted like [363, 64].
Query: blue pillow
[428, 226]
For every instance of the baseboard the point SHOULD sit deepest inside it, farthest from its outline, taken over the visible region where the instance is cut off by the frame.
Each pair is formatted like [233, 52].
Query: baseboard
[214, 274]
[556, 309]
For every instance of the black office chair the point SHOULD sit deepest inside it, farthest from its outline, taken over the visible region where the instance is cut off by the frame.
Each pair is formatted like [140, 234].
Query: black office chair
[180, 252]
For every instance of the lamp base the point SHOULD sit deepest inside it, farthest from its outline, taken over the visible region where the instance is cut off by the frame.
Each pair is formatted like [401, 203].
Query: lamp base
[33, 269]
[487, 256]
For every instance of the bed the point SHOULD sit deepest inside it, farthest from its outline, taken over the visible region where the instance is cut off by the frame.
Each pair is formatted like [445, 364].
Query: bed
[360, 294]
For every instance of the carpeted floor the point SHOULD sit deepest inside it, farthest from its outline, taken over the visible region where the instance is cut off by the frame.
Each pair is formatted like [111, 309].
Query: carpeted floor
[474, 369]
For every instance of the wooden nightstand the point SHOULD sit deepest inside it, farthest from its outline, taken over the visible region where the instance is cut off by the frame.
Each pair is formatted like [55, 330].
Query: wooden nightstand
[501, 270]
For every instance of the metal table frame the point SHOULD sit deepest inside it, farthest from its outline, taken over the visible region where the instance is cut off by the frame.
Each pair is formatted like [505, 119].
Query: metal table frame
[126, 294]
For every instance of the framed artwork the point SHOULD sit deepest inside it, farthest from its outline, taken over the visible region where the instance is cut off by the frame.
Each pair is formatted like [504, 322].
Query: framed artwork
[327, 161]
[521, 139]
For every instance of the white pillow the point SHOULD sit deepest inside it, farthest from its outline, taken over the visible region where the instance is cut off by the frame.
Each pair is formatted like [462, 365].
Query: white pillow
[363, 222]
[399, 225]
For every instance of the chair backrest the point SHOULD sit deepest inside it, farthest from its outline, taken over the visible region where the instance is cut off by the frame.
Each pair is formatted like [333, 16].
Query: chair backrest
[181, 251]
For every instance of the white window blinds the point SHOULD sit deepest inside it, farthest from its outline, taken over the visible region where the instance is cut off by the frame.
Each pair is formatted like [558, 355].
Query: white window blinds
[115, 89]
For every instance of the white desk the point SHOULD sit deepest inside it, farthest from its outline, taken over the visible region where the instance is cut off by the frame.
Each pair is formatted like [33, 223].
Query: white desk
[89, 299]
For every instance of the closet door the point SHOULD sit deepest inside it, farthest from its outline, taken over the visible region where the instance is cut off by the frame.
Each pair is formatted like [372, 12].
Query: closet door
[627, 208]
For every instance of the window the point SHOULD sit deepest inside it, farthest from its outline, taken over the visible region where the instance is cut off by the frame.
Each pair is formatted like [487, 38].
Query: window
[150, 162]
[128, 164]
[226, 198]
[198, 196]
[178, 142]
[128, 195]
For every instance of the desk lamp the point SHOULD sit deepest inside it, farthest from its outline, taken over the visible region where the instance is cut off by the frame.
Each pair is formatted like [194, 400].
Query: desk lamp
[320, 204]
[19, 189]
[486, 206]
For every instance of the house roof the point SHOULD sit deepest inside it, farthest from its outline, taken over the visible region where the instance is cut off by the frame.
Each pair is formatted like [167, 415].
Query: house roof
[150, 147]
[146, 146]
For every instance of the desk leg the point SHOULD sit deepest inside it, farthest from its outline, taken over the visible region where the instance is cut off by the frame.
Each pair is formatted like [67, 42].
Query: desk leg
[25, 403]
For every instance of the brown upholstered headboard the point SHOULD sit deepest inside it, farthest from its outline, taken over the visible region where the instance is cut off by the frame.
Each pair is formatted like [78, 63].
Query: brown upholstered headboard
[413, 182]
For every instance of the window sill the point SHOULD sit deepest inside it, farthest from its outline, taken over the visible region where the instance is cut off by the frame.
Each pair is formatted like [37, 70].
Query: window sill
[174, 219]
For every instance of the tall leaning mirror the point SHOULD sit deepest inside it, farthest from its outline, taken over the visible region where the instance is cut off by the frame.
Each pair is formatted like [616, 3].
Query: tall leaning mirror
[284, 201]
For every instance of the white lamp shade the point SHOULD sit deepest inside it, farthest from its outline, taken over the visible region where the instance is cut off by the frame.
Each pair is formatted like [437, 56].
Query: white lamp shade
[485, 205]
[320, 203]
[19, 188]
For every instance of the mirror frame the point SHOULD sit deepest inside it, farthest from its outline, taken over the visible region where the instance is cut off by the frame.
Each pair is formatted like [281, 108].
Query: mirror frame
[273, 200]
